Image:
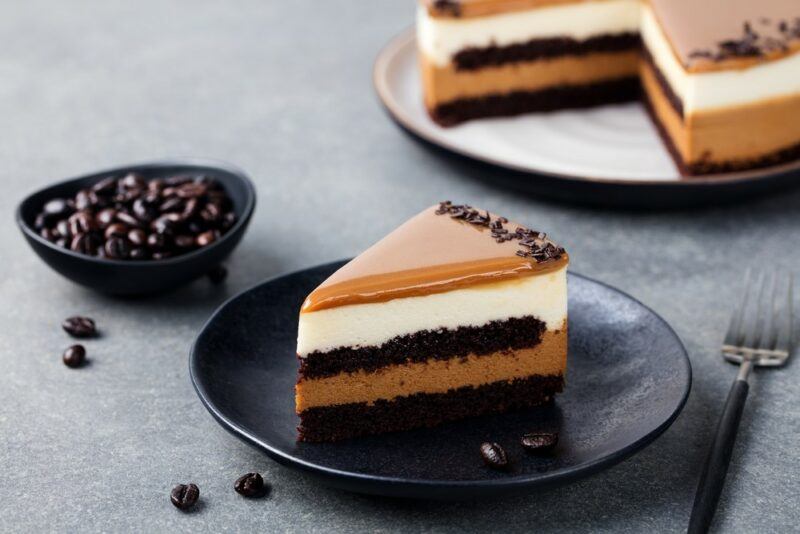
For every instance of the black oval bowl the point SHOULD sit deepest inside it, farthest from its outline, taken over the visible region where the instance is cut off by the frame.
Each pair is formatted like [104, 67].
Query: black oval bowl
[120, 277]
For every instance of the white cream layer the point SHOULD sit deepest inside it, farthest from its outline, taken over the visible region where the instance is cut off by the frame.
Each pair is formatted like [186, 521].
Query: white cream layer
[543, 296]
[718, 89]
[440, 38]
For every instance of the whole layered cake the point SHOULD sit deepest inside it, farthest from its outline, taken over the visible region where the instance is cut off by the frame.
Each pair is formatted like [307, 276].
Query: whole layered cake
[456, 313]
[721, 78]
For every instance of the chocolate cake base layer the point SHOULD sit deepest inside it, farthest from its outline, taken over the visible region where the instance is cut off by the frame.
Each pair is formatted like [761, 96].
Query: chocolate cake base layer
[551, 99]
[443, 344]
[704, 167]
[335, 423]
[475, 58]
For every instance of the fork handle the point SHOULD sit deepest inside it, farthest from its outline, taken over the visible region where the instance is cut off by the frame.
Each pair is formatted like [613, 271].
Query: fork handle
[713, 477]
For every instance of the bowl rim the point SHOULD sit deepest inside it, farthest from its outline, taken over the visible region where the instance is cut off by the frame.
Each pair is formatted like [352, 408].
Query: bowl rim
[247, 211]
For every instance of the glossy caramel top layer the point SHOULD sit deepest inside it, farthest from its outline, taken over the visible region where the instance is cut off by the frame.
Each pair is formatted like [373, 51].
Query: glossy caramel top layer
[483, 8]
[443, 248]
[705, 35]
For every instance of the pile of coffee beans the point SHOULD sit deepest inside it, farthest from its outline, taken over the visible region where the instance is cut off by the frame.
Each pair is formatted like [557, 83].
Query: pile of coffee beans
[130, 218]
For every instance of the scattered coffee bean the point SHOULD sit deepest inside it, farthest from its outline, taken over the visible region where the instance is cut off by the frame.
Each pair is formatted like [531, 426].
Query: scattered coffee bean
[539, 441]
[218, 274]
[157, 218]
[74, 356]
[184, 496]
[494, 456]
[250, 485]
[78, 326]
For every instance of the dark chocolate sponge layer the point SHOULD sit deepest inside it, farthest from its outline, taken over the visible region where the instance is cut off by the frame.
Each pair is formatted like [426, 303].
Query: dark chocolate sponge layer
[442, 344]
[335, 423]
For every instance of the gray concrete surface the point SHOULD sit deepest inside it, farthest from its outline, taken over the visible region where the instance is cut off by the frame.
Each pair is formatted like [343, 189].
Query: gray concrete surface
[283, 90]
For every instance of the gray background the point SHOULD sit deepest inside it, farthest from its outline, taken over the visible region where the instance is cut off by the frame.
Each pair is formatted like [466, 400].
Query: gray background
[283, 90]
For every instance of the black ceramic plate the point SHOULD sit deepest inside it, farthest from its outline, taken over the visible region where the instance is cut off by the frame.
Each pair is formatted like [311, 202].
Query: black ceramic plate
[610, 155]
[627, 380]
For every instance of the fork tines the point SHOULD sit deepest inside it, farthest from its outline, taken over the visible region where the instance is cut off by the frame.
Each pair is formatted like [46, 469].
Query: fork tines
[761, 324]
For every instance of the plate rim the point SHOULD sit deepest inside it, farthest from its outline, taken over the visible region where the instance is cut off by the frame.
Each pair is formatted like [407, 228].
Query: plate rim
[397, 113]
[373, 483]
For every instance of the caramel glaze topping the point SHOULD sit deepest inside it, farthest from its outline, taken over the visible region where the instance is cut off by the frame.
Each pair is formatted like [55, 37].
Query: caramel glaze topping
[445, 247]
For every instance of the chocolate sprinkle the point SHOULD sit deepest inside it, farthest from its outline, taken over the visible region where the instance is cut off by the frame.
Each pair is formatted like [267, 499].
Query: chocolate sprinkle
[753, 43]
[533, 244]
[451, 7]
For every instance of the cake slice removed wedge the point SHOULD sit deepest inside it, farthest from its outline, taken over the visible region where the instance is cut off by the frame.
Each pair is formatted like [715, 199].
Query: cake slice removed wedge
[456, 313]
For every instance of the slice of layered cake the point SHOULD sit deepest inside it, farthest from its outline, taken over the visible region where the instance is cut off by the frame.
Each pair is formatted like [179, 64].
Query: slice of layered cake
[456, 313]
[721, 78]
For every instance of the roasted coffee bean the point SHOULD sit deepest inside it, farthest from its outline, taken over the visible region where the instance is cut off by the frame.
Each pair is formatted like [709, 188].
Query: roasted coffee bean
[126, 218]
[206, 238]
[40, 221]
[81, 222]
[156, 241]
[156, 185]
[539, 441]
[190, 209]
[143, 210]
[171, 204]
[184, 241]
[191, 190]
[48, 234]
[250, 485]
[166, 223]
[137, 237]
[494, 456]
[211, 213]
[82, 200]
[74, 356]
[105, 217]
[218, 274]
[58, 207]
[63, 228]
[105, 187]
[132, 180]
[184, 496]
[138, 254]
[63, 242]
[117, 248]
[116, 230]
[83, 244]
[161, 255]
[79, 326]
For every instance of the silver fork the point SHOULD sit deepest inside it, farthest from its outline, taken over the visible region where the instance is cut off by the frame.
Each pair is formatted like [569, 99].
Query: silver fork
[760, 334]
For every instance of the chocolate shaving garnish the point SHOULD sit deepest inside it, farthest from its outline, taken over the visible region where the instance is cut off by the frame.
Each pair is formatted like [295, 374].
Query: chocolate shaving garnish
[539, 248]
[753, 44]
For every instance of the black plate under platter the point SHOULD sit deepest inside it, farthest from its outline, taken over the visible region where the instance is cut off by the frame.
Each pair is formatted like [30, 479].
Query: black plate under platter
[628, 378]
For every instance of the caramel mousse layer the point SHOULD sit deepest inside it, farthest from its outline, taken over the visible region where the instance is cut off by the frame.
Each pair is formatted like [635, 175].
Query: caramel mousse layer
[744, 133]
[444, 84]
[442, 249]
[548, 358]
